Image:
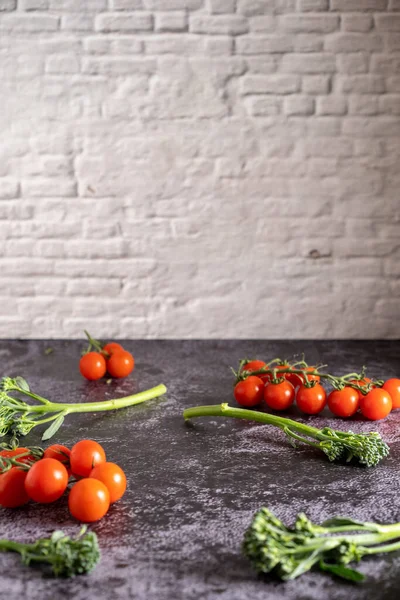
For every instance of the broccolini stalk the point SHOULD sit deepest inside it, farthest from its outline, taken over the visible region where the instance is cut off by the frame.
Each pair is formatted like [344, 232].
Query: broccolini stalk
[288, 552]
[66, 556]
[19, 417]
[367, 448]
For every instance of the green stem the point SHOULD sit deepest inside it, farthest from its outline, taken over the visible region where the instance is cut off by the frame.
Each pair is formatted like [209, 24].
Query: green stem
[7, 545]
[224, 410]
[104, 405]
[363, 539]
[385, 548]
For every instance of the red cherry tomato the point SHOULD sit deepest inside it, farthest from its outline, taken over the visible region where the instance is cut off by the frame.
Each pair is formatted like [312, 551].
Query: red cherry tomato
[113, 478]
[16, 452]
[120, 364]
[376, 405]
[279, 396]
[311, 400]
[344, 403]
[12, 488]
[393, 387]
[112, 347]
[249, 392]
[89, 500]
[59, 452]
[85, 455]
[46, 480]
[256, 365]
[92, 366]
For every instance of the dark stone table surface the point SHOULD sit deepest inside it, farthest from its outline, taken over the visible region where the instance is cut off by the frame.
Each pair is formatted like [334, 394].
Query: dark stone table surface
[193, 489]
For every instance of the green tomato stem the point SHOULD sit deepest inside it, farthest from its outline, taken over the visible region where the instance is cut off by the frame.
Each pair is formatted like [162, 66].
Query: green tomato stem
[104, 405]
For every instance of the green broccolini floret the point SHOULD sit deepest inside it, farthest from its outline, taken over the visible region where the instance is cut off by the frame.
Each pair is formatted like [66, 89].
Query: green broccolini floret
[66, 556]
[287, 553]
[366, 448]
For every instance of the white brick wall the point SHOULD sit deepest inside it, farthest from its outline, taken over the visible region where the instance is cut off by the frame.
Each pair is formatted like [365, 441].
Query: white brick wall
[200, 168]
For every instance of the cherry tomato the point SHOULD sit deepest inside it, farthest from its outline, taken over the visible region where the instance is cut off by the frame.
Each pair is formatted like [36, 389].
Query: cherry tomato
[113, 478]
[311, 377]
[249, 392]
[311, 400]
[112, 347]
[256, 365]
[85, 455]
[46, 480]
[279, 396]
[393, 387]
[361, 382]
[12, 488]
[344, 403]
[14, 453]
[59, 452]
[120, 364]
[93, 366]
[376, 405]
[293, 378]
[89, 500]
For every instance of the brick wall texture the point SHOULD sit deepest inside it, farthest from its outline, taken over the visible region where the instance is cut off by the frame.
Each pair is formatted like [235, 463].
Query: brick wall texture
[200, 168]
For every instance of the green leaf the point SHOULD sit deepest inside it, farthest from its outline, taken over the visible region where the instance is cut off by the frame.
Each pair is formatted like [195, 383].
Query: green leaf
[22, 383]
[54, 427]
[342, 571]
[341, 521]
[48, 351]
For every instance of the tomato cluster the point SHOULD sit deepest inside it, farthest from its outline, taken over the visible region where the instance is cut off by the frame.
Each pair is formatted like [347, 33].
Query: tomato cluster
[311, 397]
[111, 359]
[45, 479]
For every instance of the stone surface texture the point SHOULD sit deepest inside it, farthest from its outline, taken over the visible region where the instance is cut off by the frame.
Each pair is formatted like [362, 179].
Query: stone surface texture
[193, 488]
[191, 160]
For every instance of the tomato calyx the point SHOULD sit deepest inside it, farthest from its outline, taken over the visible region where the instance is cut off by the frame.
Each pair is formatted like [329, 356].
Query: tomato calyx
[94, 345]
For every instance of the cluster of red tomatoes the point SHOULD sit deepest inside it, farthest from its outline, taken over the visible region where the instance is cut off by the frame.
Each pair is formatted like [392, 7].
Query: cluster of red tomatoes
[311, 397]
[44, 477]
[111, 359]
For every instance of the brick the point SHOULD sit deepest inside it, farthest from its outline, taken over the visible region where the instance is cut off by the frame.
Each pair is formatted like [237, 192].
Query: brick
[218, 7]
[376, 127]
[270, 84]
[308, 42]
[171, 21]
[394, 5]
[173, 4]
[76, 6]
[359, 5]
[352, 63]
[385, 64]
[309, 23]
[316, 84]
[218, 25]
[33, 4]
[118, 45]
[331, 105]
[312, 5]
[77, 22]
[354, 42]
[361, 84]
[50, 188]
[264, 44]
[216, 46]
[249, 8]
[109, 22]
[265, 64]
[32, 22]
[389, 104]
[363, 105]
[126, 4]
[393, 84]
[337, 148]
[8, 189]
[62, 63]
[260, 106]
[387, 22]
[263, 24]
[392, 42]
[299, 105]
[173, 44]
[117, 66]
[357, 22]
[308, 63]
[8, 5]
